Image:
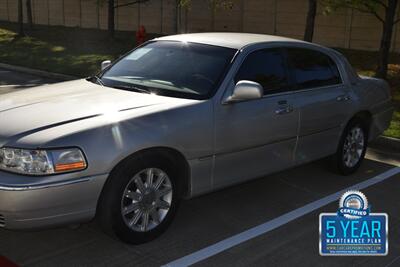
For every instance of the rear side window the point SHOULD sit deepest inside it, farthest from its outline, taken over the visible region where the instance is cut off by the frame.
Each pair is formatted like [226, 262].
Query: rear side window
[268, 68]
[312, 68]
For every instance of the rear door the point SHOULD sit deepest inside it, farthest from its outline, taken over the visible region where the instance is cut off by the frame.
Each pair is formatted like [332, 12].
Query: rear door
[323, 100]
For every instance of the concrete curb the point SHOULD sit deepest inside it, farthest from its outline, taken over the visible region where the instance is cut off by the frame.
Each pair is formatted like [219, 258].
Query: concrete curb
[46, 74]
[388, 143]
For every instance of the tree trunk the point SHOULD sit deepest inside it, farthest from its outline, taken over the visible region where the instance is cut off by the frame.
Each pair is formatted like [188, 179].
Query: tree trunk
[20, 19]
[386, 39]
[29, 13]
[111, 18]
[312, 12]
[177, 16]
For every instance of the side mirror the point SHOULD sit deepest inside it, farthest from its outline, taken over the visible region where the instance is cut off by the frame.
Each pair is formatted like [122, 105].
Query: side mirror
[105, 64]
[246, 90]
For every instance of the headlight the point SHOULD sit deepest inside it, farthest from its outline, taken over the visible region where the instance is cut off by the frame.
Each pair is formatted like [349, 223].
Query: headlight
[41, 162]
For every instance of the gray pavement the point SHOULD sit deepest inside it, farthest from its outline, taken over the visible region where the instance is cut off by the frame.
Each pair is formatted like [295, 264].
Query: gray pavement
[205, 220]
[12, 81]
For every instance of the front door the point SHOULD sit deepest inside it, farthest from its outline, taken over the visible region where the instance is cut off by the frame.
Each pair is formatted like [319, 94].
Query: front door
[257, 137]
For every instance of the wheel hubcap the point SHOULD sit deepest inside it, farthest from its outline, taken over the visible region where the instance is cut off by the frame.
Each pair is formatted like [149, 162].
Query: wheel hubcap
[353, 147]
[147, 199]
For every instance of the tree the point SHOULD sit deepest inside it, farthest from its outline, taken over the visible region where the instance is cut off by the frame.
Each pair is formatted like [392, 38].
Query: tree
[20, 19]
[213, 4]
[177, 21]
[29, 13]
[111, 6]
[21, 31]
[388, 21]
[179, 3]
[310, 23]
[111, 18]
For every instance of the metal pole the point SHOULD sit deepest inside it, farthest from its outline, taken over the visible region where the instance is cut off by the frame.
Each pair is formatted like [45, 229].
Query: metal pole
[48, 12]
[63, 11]
[177, 16]
[275, 17]
[161, 22]
[213, 17]
[242, 15]
[138, 16]
[8, 11]
[98, 16]
[351, 28]
[20, 18]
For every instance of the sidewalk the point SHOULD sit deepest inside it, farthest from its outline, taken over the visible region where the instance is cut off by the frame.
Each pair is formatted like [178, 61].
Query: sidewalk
[41, 73]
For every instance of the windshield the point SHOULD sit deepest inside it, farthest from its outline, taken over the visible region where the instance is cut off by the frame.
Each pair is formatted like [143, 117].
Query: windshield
[176, 69]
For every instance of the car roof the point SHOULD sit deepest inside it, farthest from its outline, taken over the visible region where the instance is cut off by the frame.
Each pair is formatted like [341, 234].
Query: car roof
[227, 39]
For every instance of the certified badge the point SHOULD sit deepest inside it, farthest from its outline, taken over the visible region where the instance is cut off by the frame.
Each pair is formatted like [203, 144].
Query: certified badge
[353, 205]
[353, 230]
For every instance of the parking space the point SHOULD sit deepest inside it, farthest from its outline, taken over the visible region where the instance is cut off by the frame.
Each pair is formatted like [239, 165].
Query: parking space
[12, 81]
[206, 220]
[297, 241]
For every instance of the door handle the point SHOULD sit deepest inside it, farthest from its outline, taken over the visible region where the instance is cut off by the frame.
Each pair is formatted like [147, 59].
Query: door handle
[343, 98]
[283, 110]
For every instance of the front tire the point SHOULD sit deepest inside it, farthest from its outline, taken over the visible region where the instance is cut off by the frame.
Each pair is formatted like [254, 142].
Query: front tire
[352, 148]
[140, 200]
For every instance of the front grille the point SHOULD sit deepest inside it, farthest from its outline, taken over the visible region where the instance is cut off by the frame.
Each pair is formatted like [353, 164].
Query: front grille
[2, 221]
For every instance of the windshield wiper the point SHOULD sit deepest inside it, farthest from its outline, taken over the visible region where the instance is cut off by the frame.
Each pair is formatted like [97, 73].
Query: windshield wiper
[97, 80]
[132, 88]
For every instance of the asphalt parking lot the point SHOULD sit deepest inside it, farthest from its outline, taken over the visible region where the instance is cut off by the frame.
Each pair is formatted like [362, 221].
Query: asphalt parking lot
[204, 221]
[11, 81]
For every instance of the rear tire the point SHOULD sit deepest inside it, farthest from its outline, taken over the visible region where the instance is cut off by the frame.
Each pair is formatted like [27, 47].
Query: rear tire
[351, 149]
[136, 208]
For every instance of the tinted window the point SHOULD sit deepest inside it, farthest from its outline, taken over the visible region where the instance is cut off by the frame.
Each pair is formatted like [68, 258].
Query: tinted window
[267, 67]
[176, 69]
[312, 68]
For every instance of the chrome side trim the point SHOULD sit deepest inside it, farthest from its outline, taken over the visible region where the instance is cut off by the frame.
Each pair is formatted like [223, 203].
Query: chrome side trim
[207, 157]
[48, 185]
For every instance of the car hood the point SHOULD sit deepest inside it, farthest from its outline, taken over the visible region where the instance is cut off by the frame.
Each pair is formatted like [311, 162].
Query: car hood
[32, 110]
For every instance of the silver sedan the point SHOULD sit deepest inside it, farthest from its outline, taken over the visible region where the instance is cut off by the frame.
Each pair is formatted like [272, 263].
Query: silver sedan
[175, 118]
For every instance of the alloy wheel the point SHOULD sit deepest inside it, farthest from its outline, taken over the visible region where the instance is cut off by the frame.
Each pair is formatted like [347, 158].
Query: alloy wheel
[353, 147]
[146, 200]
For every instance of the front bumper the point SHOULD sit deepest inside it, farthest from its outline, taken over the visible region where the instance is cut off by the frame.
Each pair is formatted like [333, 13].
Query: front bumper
[37, 202]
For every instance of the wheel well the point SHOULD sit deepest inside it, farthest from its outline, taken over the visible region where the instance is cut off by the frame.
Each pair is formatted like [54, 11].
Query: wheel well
[173, 156]
[365, 116]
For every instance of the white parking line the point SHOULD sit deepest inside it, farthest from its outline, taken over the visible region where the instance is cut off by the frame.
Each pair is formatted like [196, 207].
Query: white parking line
[275, 223]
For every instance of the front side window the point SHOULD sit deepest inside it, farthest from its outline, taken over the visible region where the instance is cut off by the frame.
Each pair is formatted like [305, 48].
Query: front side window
[177, 69]
[312, 68]
[266, 67]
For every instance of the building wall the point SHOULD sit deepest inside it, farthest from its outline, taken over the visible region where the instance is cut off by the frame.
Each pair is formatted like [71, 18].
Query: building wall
[345, 28]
